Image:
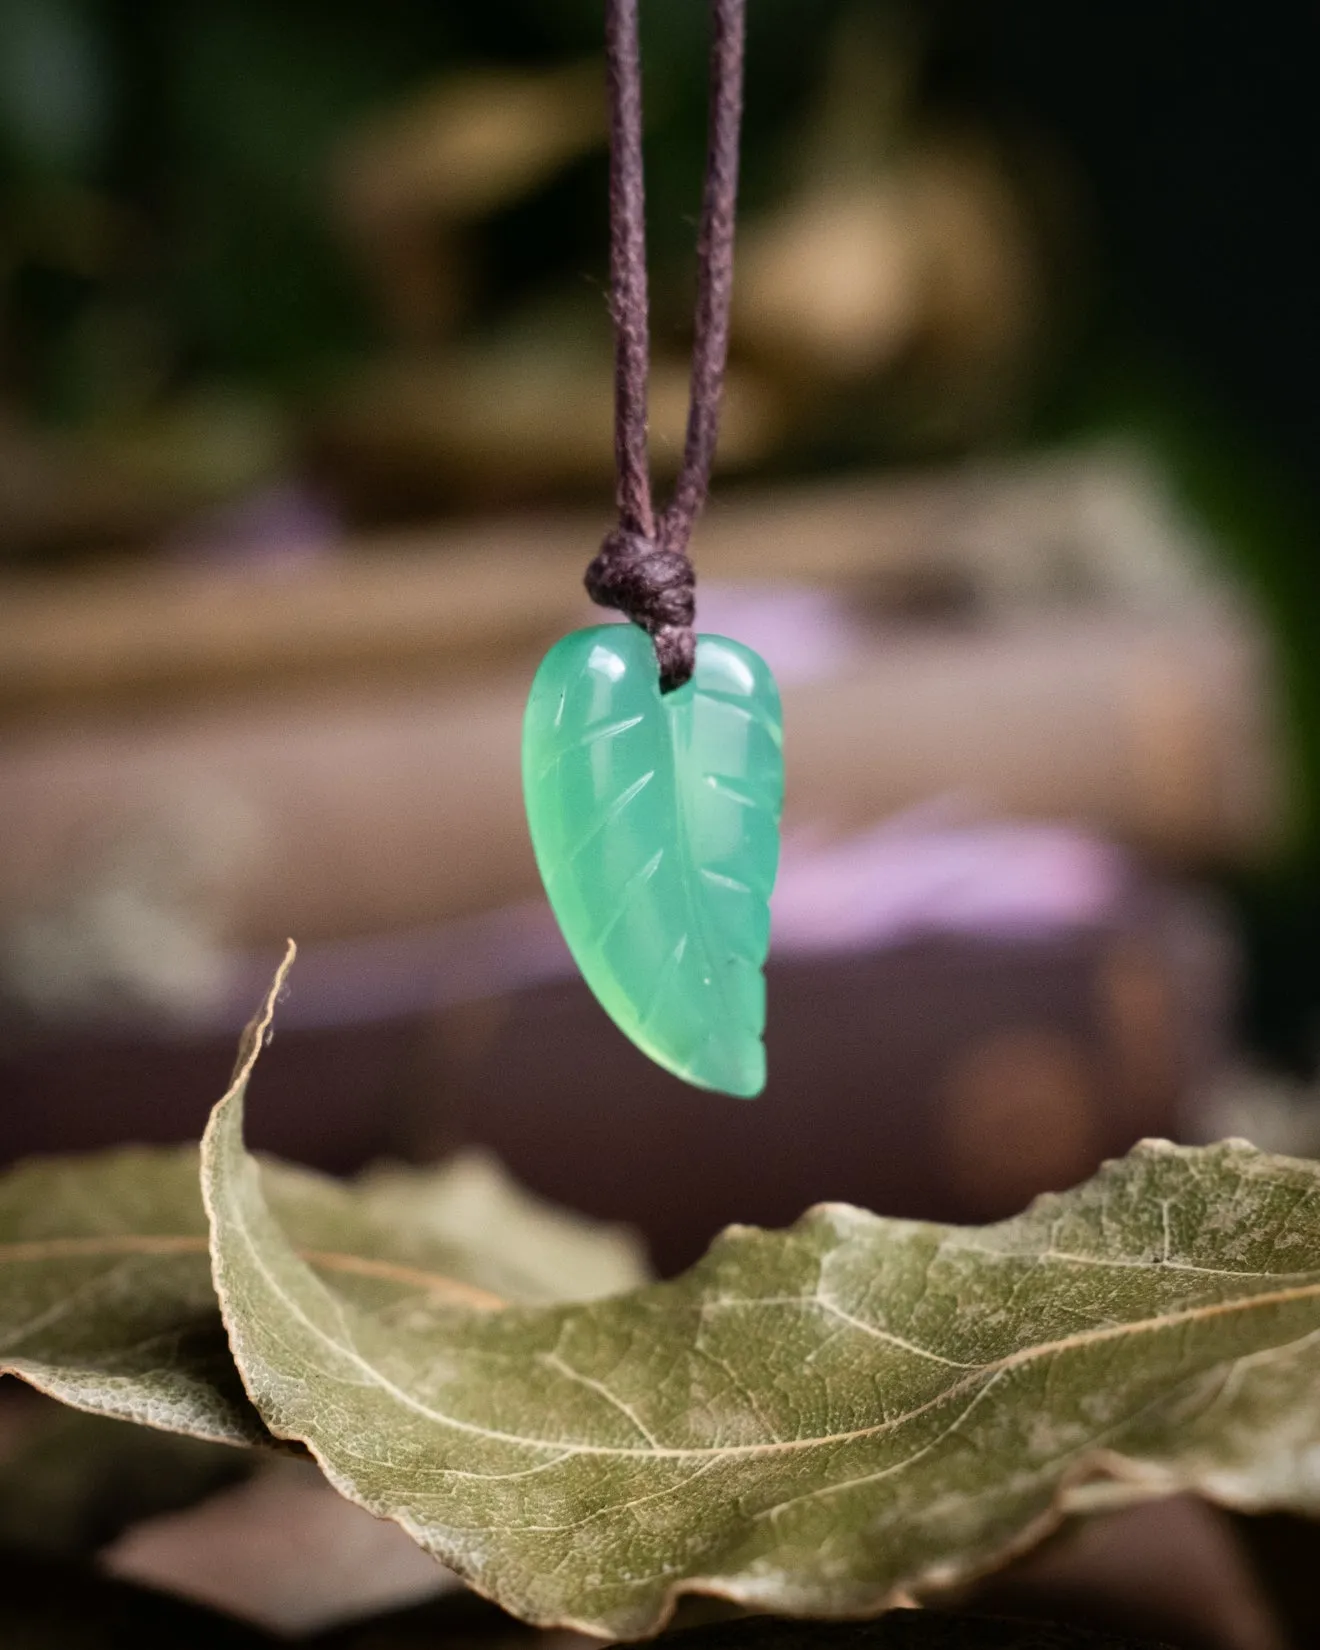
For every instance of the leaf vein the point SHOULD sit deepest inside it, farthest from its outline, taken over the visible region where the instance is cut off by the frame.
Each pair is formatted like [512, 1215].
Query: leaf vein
[553, 1361]
[972, 1382]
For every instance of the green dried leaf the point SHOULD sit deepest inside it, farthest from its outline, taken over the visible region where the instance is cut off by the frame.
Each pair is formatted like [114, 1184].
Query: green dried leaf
[106, 1298]
[469, 1218]
[813, 1421]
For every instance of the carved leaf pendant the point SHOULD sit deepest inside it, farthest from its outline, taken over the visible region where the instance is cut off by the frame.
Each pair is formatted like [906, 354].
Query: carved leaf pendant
[655, 821]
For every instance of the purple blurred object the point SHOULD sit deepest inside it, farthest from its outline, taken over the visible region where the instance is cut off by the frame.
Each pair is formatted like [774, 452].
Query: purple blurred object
[803, 632]
[285, 524]
[904, 881]
[961, 1017]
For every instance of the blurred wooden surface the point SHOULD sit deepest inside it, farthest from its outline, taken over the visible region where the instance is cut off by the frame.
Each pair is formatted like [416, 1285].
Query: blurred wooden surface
[463, 597]
[950, 1077]
[330, 747]
[366, 809]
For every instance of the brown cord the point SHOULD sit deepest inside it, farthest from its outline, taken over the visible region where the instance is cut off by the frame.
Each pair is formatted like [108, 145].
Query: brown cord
[643, 568]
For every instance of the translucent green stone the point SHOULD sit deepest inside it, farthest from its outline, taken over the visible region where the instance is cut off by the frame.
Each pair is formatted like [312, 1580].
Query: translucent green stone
[655, 820]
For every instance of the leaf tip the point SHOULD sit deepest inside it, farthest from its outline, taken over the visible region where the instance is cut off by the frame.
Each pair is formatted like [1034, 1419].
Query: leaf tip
[256, 1034]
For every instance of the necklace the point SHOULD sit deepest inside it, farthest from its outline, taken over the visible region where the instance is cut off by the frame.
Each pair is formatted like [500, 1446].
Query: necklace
[652, 766]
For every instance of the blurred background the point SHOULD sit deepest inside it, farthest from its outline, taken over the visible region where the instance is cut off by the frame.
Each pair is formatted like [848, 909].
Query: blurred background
[305, 444]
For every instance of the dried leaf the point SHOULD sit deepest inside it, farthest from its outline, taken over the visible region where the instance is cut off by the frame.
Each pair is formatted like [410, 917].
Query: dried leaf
[518, 1245]
[815, 1421]
[106, 1298]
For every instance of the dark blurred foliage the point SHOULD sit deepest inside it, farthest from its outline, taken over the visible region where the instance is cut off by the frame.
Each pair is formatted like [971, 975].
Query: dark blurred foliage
[1195, 130]
[165, 170]
[165, 175]
[168, 240]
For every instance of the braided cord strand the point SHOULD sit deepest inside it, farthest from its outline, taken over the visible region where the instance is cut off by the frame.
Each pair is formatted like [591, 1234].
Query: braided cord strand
[643, 568]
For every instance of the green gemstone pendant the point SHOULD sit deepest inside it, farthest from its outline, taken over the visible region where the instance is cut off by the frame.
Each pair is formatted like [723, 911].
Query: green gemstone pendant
[655, 820]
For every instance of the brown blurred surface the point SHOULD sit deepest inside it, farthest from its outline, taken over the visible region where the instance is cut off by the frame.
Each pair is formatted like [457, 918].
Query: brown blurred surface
[366, 810]
[1176, 1569]
[1090, 525]
[195, 757]
[945, 1078]
[253, 1537]
[196, 761]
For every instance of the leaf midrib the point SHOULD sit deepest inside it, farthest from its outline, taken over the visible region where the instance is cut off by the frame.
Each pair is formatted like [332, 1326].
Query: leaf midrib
[35, 1250]
[984, 1373]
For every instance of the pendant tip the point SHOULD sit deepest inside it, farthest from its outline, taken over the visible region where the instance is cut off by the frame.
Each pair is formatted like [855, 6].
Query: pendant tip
[744, 1081]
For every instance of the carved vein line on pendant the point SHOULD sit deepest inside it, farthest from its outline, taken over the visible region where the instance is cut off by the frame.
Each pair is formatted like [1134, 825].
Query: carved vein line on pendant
[610, 814]
[608, 730]
[987, 1374]
[722, 879]
[751, 709]
[634, 885]
[672, 963]
[733, 791]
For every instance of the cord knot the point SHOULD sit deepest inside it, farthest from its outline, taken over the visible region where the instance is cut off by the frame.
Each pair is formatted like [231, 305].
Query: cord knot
[655, 587]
